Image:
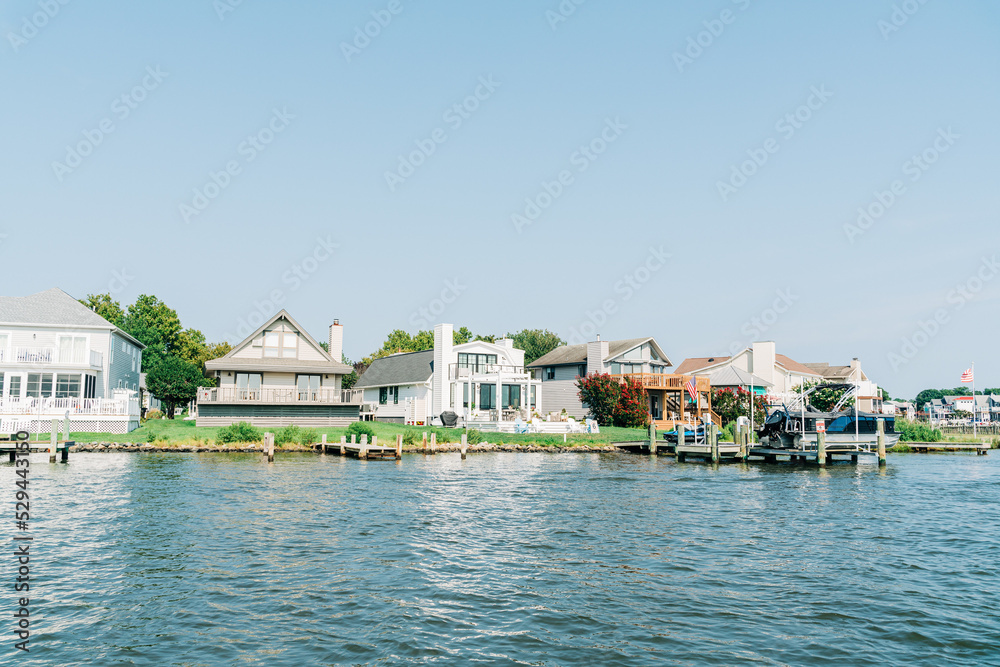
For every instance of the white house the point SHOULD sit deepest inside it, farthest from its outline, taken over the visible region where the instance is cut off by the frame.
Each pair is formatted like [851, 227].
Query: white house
[279, 375]
[483, 382]
[56, 357]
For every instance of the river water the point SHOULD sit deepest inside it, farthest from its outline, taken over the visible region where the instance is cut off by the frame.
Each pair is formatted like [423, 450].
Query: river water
[534, 559]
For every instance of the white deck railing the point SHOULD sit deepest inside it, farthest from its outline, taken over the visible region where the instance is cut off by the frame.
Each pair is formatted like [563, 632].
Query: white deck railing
[48, 355]
[75, 406]
[273, 395]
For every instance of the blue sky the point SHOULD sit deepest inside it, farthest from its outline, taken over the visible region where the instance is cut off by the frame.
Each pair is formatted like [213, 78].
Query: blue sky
[644, 126]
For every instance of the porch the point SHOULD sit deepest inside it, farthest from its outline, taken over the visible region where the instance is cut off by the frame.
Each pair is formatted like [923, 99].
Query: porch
[89, 415]
[492, 394]
[670, 402]
[279, 396]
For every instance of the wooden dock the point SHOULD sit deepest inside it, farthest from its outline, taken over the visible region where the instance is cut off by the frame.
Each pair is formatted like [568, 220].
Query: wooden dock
[16, 443]
[980, 448]
[363, 450]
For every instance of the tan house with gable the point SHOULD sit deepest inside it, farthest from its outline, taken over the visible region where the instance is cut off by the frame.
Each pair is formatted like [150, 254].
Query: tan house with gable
[279, 375]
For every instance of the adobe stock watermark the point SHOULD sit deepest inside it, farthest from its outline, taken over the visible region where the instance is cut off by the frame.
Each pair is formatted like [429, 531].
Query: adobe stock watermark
[248, 150]
[294, 276]
[455, 116]
[786, 126]
[223, 7]
[121, 108]
[425, 316]
[562, 12]
[957, 297]
[625, 288]
[755, 327]
[581, 159]
[915, 167]
[900, 15]
[363, 35]
[704, 39]
[30, 25]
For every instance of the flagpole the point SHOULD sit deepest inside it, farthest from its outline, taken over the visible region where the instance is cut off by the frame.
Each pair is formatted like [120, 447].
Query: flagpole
[974, 402]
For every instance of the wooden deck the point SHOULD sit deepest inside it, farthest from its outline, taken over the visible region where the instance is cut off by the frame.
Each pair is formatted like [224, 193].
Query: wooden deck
[668, 399]
[980, 448]
[11, 449]
[362, 450]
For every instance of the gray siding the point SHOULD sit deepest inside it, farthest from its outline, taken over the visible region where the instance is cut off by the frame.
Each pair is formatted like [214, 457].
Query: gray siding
[123, 366]
[559, 394]
[570, 372]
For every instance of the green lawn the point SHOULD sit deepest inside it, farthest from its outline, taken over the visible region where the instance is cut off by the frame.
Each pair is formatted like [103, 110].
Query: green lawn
[179, 431]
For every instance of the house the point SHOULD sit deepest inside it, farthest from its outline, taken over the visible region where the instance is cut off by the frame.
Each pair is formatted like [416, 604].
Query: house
[641, 359]
[279, 375]
[58, 357]
[900, 409]
[768, 372]
[484, 382]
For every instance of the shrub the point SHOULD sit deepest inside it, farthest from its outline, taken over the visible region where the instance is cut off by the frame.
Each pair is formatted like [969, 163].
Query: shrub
[599, 392]
[475, 436]
[286, 434]
[632, 408]
[153, 414]
[239, 432]
[410, 438]
[308, 436]
[728, 433]
[358, 429]
[917, 432]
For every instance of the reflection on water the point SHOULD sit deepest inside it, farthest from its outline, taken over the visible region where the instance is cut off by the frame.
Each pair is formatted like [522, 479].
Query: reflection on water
[185, 559]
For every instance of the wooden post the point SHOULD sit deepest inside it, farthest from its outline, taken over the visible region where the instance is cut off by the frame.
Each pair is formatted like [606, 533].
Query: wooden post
[680, 440]
[66, 426]
[821, 448]
[269, 447]
[374, 441]
[652, 438]
[65, 451]
[465, 445]
[713, 439]
[434, 442]
[399, 446]
[322, 444]
[881, 441]
[363, 451]
[423, 443]
[741, 440]
[343, 445]
[53, 435]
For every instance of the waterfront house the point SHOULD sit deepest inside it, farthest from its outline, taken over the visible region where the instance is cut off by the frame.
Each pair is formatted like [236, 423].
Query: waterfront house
[770, 373]
[279, 375]
[58, 357]
[869, 395]
[641, 359]
[482, 382]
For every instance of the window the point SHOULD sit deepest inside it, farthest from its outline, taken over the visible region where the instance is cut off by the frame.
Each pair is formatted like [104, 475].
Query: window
[289, 345]
[89, 386]
[39, 385]
[534, 402]
[248, 386]
[550, 372]
[386, 393]
[67, 386]
[1, 385]
[479, 363]
[271, 343]
[4, 338]
[72, 349]
[281, 343]
[308, 387]
[582, 372]
[14, 386]
[511, 396]
[487, 397]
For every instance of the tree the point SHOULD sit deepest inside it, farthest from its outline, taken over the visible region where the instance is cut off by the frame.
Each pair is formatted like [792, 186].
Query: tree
[632, 408]
[462, 336]
[155, 325]
[599, 392]
[106, 307]
[731, 403]
[535, 343]
[349, 380]
[174, 381]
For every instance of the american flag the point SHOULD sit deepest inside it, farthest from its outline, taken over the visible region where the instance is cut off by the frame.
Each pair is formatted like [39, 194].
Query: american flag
[967, 375]
[692, 392]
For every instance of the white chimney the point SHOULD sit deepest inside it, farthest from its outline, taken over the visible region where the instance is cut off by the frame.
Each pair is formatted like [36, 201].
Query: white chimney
[336, 341]
[597, 352]
[764, 360]
[444, 341]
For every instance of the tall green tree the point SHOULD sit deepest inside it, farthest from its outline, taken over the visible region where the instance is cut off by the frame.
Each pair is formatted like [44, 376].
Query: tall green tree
[535, 343]
[174, 381]
[156, 325]
[106, 307]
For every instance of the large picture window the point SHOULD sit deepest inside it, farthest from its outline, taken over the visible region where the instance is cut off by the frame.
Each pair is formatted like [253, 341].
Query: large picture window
[511, 397]
[39, 385]
[72, 349]
[487, 397]
[308, 387]
[387, 395]
[248, 386]
[479, 363]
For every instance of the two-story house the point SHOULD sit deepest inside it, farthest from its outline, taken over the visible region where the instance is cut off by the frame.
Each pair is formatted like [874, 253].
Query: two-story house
[483, 382]
[59, 358]
[279, 375]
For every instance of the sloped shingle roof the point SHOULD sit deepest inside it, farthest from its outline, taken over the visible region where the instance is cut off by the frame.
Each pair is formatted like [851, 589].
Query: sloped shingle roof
[577, 354]
[53, 307]
[408, 368]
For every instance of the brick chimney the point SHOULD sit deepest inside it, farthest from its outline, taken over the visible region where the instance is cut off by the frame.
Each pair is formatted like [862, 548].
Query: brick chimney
[336, 341]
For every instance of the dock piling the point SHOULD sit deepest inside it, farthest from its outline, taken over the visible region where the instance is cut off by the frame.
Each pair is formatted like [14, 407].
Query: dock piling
[322, 444]
[881, 441]
[363, 452]
[399, 446]
[343, 445]
[434, 442]
[53, 437]
[680, 442]
[652, 439]
[821, 448]
[269, 446]
[713, 434]
[465, 445]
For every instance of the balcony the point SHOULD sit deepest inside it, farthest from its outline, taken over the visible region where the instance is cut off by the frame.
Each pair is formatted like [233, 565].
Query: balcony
[666, 381]
[283, 396]
[48, 356]
[457, 372]
[58, 407]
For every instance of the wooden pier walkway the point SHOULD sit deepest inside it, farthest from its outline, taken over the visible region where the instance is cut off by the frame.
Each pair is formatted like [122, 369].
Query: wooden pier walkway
[363, 449]
[18, 442]
[980, 448]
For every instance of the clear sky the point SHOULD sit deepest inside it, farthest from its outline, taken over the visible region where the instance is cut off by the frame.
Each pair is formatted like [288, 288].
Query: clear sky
[687, 170]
